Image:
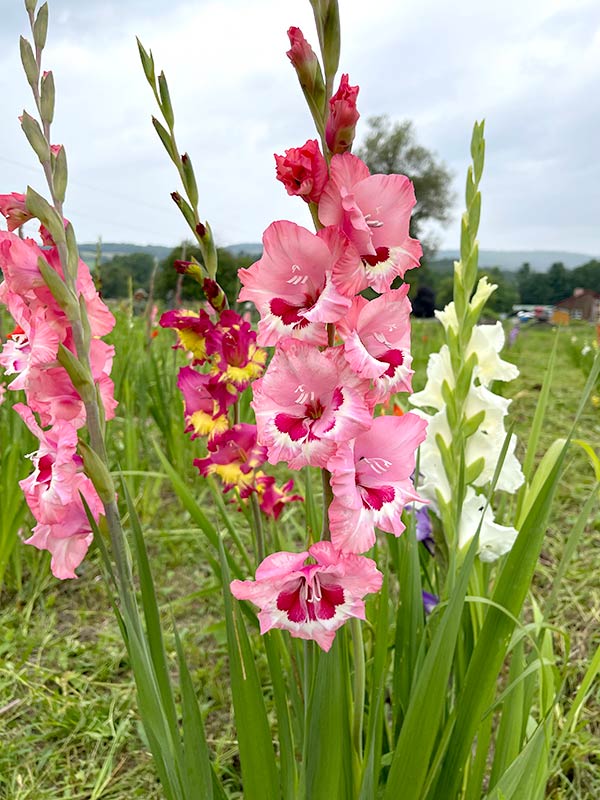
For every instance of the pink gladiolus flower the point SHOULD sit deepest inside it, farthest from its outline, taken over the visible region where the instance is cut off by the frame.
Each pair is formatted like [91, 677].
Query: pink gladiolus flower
[292, 285]
[303, 171]
[376, 338]
[69, 539]
[49, 489]
[238, 359]
[13, 208]
[342, 119]
[234, 456]
[272, 498]
[311, 601]
[206, 402]
[19, 264]
[374, 212]
[307, 402]
[371, 481]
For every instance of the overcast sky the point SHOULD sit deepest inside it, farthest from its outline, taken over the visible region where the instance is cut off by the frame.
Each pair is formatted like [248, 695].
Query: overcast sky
[530, 67]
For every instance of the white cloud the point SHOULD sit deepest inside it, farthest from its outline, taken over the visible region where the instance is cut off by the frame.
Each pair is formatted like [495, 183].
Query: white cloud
[530, 67]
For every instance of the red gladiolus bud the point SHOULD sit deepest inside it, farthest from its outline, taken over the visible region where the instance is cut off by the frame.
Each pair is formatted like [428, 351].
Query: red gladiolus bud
[214, 294]
[303, 171]
[305, 62]
[343, 116]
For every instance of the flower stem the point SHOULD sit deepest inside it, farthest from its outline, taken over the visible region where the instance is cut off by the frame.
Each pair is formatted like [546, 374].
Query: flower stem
[327, 498]
[358, 652]
[259, 536]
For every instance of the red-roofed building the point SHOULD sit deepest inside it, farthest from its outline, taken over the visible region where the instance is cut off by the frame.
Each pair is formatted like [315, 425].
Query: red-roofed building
[584, 304]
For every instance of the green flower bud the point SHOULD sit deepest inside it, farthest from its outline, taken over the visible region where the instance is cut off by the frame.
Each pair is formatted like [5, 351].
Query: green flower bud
[165, 100]
[98, 472]
[35, 137]
[60, 291]
[47, 97]
[60, 174]
[42, 210]
[40, 27]
[28, 60]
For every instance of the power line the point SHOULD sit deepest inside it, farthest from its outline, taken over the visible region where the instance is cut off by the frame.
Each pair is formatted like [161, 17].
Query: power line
[90, 188]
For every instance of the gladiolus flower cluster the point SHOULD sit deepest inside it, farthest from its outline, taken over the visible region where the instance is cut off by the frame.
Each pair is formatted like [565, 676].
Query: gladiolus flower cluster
[224, 345]
[484, 445]
[55, 489]
[337, 356]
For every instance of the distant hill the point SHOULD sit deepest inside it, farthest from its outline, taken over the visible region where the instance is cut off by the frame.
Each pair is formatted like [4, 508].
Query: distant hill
[111, 249]
[539, 260]
[250, 248]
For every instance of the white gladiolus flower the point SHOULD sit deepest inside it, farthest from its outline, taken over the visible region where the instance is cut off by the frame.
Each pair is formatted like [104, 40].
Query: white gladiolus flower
[494, 540]
[439, 369]
[487, 342]
[484, 445]
[448, 316]
[482, 294]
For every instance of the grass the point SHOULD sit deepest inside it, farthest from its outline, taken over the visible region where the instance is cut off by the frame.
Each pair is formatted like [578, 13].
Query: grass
[68, 724]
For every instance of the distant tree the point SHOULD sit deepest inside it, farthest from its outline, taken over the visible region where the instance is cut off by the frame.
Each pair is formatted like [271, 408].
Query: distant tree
[444, 290]
[423, 304]
[532, 286]
[166, 280]
[392, 148]
[118, 270]
[559, 283]
[587, 276]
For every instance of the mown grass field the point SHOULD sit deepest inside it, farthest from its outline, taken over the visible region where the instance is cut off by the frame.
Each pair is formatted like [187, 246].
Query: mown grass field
[68, 725]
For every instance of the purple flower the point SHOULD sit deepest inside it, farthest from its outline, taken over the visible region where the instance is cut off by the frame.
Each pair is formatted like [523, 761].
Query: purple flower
[430, 601]
[424, 527]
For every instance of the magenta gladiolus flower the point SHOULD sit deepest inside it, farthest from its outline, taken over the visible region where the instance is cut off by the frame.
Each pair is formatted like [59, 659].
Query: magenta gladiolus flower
[303, 171]
[195, 331]
[374, 212]
[307, 402]
[206, 402]
[311, 601]
[371, 481]
[292, 286]
[376, 338]
[272, 499]
[238, 359]
[342, 119]
[234, 455]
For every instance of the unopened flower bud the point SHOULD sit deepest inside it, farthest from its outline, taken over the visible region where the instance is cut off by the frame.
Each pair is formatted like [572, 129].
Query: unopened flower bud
[214, 294]
[190, 268]
[343, 116]
[307, 66]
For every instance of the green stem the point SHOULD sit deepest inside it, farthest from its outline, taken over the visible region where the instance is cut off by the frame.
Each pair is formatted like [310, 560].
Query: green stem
[327, 498]
[259, 536]
[358, 652]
